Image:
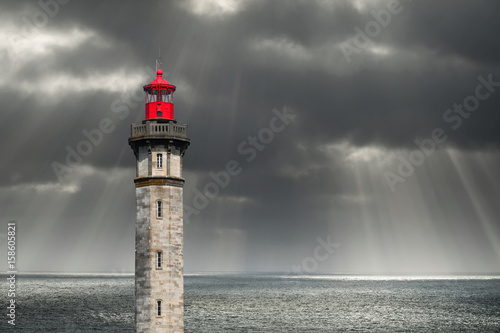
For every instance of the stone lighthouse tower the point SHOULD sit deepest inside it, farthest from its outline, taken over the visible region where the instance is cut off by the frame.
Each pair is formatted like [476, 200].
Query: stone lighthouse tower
[159, 144]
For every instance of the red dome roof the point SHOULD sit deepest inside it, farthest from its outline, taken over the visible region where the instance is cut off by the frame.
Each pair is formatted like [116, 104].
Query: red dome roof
[159, 82]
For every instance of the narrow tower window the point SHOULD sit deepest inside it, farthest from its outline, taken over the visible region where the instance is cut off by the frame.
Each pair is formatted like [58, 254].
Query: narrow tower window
[159, 161]
[158, 303]
[158, 205]
[159, 259]
[168, 163]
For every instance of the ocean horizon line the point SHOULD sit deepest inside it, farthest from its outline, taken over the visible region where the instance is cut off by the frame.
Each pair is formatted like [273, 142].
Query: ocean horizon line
[288, 275]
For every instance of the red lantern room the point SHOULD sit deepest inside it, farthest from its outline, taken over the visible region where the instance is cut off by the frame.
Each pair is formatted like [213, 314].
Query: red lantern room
[159, 98]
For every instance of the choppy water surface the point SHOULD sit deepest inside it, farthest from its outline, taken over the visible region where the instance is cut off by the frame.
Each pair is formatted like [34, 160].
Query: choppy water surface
[265, 303]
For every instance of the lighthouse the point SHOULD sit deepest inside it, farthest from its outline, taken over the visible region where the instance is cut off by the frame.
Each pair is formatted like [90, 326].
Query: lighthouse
[159, 144]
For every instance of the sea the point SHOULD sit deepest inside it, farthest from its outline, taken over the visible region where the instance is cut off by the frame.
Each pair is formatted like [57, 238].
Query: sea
[235, 302]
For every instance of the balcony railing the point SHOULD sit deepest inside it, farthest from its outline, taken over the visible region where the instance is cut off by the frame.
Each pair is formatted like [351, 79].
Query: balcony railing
[159, 130]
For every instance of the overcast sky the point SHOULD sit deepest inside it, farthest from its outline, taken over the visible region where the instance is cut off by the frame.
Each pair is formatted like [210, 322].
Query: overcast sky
[387, 147]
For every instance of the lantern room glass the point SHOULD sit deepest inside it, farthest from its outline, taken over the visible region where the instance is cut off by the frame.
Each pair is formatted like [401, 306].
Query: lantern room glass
[153, 96]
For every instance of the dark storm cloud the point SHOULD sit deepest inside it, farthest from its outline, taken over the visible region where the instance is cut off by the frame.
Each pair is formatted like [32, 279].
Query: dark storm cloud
[407, 104]
[457, 28]
[231, 71]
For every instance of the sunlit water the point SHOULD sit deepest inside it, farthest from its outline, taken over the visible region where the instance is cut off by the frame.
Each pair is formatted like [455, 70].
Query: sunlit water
[264, 303]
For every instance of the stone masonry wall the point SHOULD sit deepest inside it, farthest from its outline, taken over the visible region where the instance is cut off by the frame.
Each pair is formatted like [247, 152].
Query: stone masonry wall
[155, 234]
[142, 271]
[166, 235]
